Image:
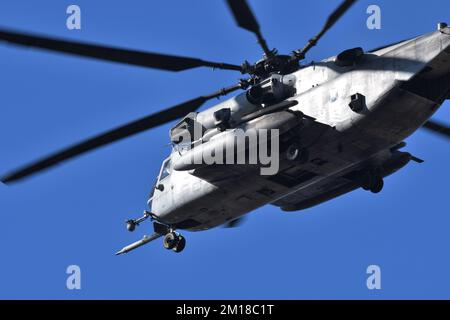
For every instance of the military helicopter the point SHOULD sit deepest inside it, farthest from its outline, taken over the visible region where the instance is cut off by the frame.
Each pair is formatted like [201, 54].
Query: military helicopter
[342, 123]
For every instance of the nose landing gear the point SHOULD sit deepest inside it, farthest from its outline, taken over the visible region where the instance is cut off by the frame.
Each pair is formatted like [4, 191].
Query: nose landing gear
[174, 241]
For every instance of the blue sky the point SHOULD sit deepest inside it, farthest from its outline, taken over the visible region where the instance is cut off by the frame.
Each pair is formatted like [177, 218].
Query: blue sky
[74, 214]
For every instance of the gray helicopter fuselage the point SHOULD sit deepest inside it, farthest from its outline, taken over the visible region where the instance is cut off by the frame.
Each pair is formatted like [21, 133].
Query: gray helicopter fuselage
[394, 91]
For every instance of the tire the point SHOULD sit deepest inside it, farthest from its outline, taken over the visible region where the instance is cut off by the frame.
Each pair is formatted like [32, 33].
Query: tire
[293, 152]
[170, 241]
[377, 185]
[181, 244]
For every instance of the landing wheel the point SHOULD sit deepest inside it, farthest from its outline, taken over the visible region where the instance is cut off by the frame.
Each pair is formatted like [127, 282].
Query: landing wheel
[372, 182]
[180, 244]
[170, 240]
[377, 185]
[295, 153]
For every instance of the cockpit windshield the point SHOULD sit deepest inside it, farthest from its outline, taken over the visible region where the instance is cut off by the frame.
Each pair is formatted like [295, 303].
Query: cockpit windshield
[165, 170]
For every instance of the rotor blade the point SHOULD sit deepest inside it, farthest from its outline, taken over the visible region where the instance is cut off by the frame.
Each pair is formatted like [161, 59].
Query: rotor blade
[332, 19]
[132, 57]
[119, 133]
[246, 19]
[438, 128]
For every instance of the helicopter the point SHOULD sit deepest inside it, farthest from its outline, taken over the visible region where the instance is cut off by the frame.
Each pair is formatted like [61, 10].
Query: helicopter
[340, 125]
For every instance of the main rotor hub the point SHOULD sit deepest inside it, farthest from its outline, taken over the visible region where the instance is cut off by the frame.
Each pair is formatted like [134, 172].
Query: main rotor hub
[276, 64]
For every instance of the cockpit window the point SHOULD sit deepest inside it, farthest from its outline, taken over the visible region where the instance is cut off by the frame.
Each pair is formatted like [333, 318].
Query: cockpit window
[165, 170]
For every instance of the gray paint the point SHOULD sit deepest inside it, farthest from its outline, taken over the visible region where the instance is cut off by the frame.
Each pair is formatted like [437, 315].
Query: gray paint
[340, 140]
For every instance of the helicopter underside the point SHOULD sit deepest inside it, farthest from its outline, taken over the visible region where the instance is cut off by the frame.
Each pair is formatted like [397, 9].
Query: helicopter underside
[339, 160]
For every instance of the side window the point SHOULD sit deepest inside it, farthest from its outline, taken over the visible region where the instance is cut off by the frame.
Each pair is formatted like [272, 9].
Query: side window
[165, 170]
